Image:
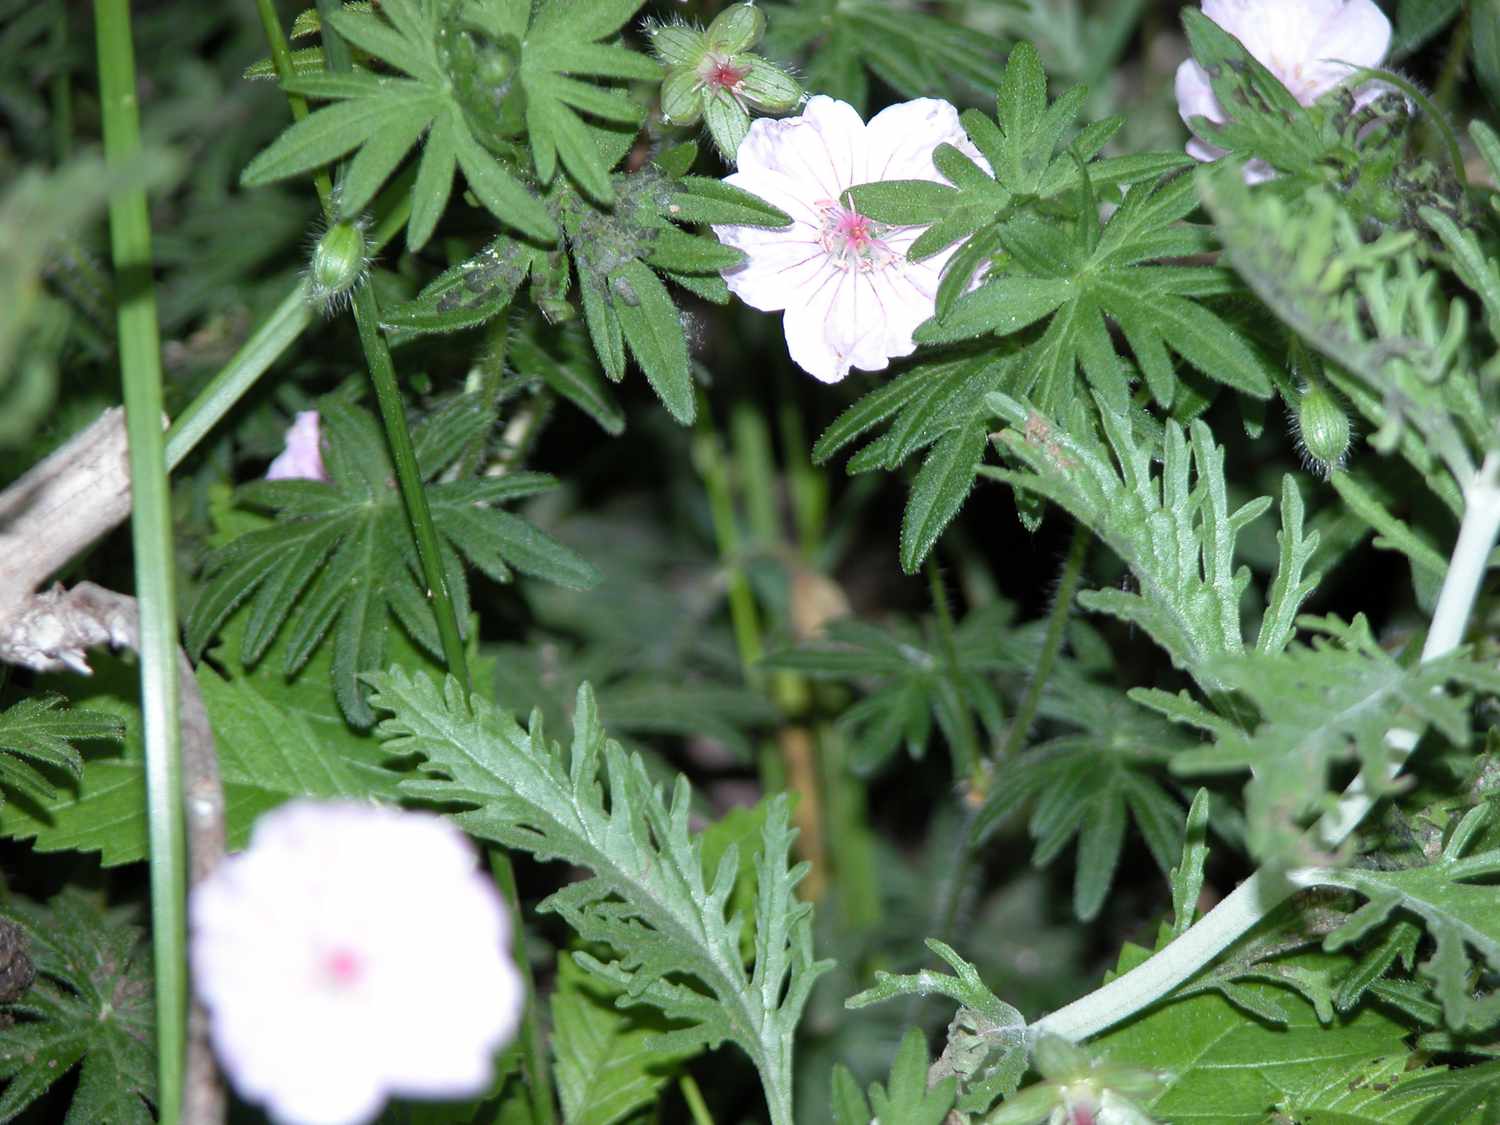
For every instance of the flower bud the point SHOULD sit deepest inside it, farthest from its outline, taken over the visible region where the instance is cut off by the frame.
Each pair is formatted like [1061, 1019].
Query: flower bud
[1324, 429]
[677, 44]
[485, 72]
[681, 97]
[769, 88]
[338, 265]
[737, 28]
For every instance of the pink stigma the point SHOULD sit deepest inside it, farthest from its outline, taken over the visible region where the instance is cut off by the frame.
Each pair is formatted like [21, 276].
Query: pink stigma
[343, 966]
[854, 229]
[724, 75]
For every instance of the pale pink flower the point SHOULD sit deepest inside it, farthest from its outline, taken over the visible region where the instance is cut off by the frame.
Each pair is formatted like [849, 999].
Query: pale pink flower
[351, 953]
[851, 297]
[302, 458]
[1309, 45]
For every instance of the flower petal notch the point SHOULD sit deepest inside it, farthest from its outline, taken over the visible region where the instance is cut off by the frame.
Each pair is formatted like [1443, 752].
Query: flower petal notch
[1311, 46]
[352, 953]
[850, 296]
[302, 458]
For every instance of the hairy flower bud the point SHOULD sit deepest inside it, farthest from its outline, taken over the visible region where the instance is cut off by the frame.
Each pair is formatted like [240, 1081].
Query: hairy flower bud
[338, 266]
[737, 28]
[1323, 428]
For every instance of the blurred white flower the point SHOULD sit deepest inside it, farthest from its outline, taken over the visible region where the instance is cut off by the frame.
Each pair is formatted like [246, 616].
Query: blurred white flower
[302, 459]
[1309, 45]
[352, 953]
[851, 297]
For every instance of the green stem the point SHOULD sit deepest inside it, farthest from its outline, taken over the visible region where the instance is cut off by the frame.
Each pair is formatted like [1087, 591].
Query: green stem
[1258, 895]
[533, 1041]
[694, 1098]
[409, 477]
[708, 456]
[1062, 605]
[966, 755]
[281, 59]
[383, 377]
[151, 534]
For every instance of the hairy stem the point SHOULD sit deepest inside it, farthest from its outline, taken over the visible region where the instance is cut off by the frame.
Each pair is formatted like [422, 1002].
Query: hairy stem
[1258, 895]
[151, 535]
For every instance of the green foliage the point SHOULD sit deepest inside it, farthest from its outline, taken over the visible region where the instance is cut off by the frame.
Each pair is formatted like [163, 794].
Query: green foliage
[908, 685]
[91, 1005]
[909, 1099]
[383, 117]
[621, 257]
[1218, 1065]
[608, 1066]
[1458, 913]
[1372, 307]
[1091, 785]
[1320, 704]
[1173, 529]
[648, 899]
[911, 51]
[39, 732]
[342, 556]
[987, 1040]
[276, 737]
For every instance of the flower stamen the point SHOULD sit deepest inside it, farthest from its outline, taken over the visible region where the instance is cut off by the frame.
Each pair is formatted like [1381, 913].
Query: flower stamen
[852, 240]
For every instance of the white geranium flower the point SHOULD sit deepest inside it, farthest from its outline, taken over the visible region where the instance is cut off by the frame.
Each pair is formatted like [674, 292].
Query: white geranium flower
[851, 297]
[351, 953]
[302, 458]
[1309, 45]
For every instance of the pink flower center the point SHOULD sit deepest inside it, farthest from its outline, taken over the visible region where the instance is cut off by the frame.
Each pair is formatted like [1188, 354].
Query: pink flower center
[343, 967]
[852, 240]
[720, 73]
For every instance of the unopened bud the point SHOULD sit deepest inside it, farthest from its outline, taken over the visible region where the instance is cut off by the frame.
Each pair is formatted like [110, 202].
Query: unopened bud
[338, 265]
[1324, 428]
[737, 28]
[485, 74]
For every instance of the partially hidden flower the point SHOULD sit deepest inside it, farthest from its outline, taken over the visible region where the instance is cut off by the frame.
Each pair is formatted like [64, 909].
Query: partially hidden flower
[851, 297]
[351, 953]
[1309, 45]
[302, 458]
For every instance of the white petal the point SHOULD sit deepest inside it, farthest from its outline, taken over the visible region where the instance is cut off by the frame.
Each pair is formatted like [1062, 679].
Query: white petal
[1358, 34]
[1195, 96]
[811, 331]
[777, 272]
[899, 140]
[302, 459]
[318, 1044]
[817, 148]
